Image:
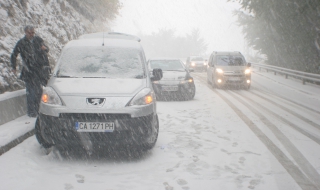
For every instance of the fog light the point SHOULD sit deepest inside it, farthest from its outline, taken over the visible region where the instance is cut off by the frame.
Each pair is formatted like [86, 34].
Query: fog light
[248, 81]
[219, 80]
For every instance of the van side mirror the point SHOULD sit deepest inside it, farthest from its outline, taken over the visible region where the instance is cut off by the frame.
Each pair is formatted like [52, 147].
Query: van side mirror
[249, 65]
[156, 74]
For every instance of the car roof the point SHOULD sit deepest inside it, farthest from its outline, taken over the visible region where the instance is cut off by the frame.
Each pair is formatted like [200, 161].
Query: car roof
[96, 42]
[153, 59]
[226, 53]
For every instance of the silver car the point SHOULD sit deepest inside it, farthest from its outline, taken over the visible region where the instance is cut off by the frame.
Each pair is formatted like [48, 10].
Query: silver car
[100, 95]
[228, 69]
[196, 63]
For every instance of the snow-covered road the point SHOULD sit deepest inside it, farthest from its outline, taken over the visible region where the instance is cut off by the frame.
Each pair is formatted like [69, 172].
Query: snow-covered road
[265, 138]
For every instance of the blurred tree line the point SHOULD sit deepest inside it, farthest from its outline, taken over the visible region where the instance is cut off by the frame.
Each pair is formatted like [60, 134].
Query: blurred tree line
[166, 43]
[287, 31]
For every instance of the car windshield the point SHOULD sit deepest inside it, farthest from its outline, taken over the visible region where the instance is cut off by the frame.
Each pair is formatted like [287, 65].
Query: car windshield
[197, 59]
[101, 62]
[166, 65]
[229, 60]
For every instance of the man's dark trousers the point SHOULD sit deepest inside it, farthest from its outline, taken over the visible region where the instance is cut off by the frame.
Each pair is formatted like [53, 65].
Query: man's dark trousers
[34, 92]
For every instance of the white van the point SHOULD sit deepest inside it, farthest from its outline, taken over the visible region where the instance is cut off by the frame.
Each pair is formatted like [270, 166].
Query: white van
[100, 95]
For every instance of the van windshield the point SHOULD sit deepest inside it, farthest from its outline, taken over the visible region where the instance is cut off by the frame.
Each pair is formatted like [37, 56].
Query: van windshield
[230, 60]
[101, 62]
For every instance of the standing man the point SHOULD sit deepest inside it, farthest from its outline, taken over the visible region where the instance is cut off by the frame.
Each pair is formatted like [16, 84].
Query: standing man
[33, 52]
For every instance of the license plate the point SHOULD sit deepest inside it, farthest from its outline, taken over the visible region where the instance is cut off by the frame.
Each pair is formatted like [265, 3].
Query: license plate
[169, 88]
[94, 126]
[234, 78]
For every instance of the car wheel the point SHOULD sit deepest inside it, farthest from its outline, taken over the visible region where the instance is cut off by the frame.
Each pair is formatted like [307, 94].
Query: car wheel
[158, 97]
[213, 84]
[154, 137]
[39, 135]
[247, 87]
[208, 81]
[191, 93]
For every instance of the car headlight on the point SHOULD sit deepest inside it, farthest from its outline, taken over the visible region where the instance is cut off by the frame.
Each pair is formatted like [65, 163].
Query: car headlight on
[247, 71]
[155, 82]
[190, 80]
[49, 96]
[205, 63]
[193, 64]
[219, 71]
[144, 97]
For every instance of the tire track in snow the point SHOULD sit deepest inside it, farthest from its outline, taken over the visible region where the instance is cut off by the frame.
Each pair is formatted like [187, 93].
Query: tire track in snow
[309, 178]
[289, 123]
[288, 100]
[303, 163]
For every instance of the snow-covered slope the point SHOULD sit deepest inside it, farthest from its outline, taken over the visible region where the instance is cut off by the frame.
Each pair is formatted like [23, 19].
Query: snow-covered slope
[56, 21]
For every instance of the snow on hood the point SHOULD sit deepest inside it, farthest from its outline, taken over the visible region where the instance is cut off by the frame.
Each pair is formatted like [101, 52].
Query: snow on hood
[98, 86]
[173, 75]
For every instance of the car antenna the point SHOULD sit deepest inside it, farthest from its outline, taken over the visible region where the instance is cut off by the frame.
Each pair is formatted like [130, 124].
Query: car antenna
[102, 38]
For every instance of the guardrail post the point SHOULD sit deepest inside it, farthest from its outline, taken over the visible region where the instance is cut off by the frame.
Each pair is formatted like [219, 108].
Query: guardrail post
[303, 81]
[286, 76]
[275, 73]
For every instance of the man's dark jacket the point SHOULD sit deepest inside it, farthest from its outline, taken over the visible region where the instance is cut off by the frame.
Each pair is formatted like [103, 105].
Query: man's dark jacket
[34, 59]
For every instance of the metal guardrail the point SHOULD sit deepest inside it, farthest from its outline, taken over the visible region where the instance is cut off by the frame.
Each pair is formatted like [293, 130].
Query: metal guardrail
[304, 76]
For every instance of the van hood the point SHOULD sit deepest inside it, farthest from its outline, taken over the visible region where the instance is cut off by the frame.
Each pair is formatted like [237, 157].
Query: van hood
[97, 86]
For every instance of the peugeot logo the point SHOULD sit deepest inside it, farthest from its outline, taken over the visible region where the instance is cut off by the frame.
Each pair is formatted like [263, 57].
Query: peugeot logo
[96, 101]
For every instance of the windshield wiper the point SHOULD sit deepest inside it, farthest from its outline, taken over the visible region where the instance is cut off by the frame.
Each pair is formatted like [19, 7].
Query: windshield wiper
[139, 76]
[66, 76]
[93, 77]
[176, 70]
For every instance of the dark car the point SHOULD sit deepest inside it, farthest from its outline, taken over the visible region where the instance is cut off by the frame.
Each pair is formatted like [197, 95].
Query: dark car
[176, 83]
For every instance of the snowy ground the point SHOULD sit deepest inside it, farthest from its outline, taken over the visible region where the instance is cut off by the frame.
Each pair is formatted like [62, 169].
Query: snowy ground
[265, 138]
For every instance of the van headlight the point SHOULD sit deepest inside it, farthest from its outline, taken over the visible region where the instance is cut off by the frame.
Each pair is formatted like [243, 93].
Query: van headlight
[144, 97]
[247, 71]
[49, 96]
[219, 71]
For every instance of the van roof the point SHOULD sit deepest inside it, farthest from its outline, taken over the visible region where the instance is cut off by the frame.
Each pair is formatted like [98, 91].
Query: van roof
[96, 42]
[110, 35]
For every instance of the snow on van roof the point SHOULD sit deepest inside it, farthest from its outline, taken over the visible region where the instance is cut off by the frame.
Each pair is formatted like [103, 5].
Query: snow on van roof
[112, 35]
[121, 43]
